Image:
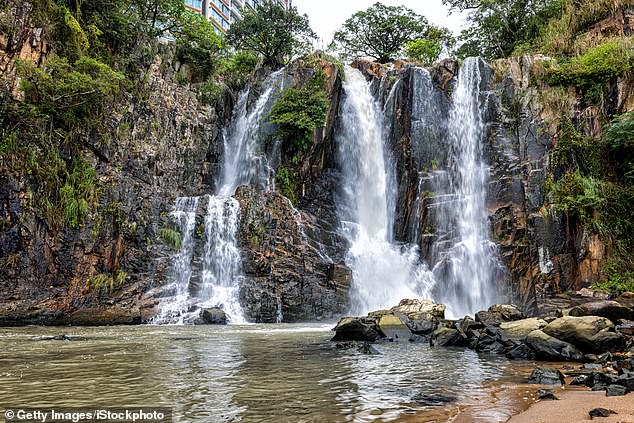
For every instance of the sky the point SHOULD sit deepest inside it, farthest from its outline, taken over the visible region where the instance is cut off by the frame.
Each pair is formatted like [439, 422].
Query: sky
[326, 16]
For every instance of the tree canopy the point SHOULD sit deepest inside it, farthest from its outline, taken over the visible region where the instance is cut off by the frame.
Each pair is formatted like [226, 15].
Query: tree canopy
[381, 32]
[272, 32]
[499, 27]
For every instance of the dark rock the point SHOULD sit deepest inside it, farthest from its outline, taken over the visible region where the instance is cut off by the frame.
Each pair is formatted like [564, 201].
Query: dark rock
[469, 327]
[368, 349]
[546, 395]
[214, 316]
[599, 387]
[445, 337]
[521, 352]
[497, 314]
[626, 328]
[546, 376]
[62, 337]
[616, 391]
[579, 380]
[433, 400]
[548, 348]
[357, 329]
[611, 310]
[626, 378]
[490, 344]
[600, 412]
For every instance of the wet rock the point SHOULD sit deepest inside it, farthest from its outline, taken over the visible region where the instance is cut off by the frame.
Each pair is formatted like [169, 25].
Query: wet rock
[611, 310]
[580, 380]
[445, 337]
[589, 333]
[214, 316]
[367, 349]
[600, 412]
[546, 376]
[546, 395]
[626, 328]
[499, 313]
[433, 400]
[469, 327]
[422, 323]
[393, 327]
[357, 329]
[522, 352]
[491, 344]
[547, 347]
[616, 391]
[520, 329]
[420, 306]
[62, 337]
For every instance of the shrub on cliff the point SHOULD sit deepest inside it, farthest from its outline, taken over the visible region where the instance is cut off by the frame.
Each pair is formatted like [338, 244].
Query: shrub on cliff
[299, 111]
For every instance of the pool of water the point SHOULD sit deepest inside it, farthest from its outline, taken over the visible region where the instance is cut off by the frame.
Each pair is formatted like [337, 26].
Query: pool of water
[251, 373]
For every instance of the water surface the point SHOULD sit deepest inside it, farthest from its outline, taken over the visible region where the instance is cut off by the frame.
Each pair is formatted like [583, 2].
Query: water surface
[251, 373]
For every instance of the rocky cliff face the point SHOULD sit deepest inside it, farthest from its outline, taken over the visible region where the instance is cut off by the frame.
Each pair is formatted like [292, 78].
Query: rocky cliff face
[163, 143]
[154, 146]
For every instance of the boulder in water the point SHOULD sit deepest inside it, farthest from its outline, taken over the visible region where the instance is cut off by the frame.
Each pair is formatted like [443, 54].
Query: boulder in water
[357, 329]
[521, 352]
[446, 337]
[499, 313]
[546, 376]
[422, 323]
[394, 328]
[589, 333]
[611, 310]
[432, 400]
[547, 347]
[519, 329]
[420, 306]
[214, 316]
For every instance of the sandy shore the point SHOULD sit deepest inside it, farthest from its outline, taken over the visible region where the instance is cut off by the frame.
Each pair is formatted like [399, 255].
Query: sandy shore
[573, 406]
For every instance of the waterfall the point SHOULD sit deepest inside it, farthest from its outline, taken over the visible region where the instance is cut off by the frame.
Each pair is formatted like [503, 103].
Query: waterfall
[219, 278]
[383, 273]
[466, 272]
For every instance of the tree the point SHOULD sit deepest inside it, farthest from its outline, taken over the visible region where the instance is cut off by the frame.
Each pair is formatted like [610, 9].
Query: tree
[499, 27]
[272, 32]
[381, 32]
[427, 50]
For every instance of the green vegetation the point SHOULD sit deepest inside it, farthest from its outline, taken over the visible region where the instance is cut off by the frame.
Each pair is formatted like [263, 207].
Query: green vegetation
[171, 237]
[299, 111]
[108, 283]
[424, 50]
[286, 183]
[617, 283]
[598, 65]
[79, 194]
[272, 32]
[500, 27]
[381, 32]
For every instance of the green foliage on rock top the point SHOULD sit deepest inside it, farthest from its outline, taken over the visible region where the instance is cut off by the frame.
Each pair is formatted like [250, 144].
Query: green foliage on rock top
[427, 50]
[274, 33]
[298, 111]
[381, 32]
[598, 65]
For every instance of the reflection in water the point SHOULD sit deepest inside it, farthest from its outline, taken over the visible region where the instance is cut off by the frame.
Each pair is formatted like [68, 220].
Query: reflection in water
[256, 373]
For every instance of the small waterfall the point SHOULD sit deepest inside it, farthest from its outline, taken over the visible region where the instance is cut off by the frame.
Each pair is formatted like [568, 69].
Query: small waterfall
[383, 273]
[244, 163]
[467, 270]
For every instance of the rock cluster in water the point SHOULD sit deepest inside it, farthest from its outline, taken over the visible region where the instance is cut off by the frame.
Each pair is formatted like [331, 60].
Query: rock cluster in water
[597, 332]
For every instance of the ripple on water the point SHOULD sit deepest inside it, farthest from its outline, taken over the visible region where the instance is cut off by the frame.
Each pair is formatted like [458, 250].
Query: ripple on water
[253, 373]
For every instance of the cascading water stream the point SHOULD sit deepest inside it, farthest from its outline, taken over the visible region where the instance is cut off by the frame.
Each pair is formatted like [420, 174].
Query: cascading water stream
[221, 273]
[466, 272]
[383, 273]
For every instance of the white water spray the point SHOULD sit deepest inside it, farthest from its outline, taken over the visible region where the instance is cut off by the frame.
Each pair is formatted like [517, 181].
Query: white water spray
[383, 273]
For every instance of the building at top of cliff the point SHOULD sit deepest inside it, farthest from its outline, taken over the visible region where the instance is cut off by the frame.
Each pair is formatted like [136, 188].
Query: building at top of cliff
[222, 13]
